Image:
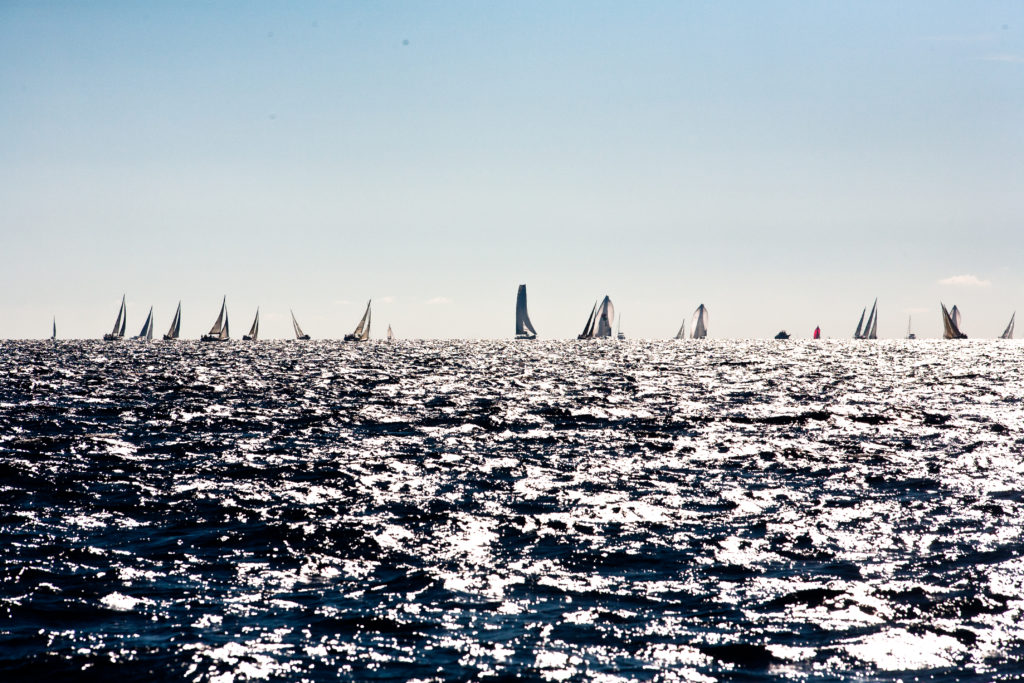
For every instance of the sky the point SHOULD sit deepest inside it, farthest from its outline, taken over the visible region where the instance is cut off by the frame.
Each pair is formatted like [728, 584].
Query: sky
[784, 163]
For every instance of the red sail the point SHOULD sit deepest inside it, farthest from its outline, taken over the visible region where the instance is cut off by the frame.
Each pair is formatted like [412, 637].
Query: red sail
[817, 333]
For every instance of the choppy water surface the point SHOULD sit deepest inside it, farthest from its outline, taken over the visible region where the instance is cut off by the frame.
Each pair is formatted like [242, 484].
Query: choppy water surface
[546, 510]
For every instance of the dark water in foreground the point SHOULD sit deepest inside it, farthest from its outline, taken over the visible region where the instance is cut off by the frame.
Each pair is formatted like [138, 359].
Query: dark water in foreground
[736, 511]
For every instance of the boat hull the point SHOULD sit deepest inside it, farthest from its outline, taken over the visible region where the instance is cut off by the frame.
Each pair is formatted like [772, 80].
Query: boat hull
[304, 337]
[526, 336]
[353, 338]
[246, 337]
[211, 338]
[168, 337]
[112, 337]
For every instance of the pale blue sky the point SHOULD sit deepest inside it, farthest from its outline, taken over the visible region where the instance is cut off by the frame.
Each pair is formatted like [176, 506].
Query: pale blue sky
[784, 163]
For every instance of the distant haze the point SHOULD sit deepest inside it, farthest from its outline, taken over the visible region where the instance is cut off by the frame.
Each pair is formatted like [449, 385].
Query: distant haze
[782, 163]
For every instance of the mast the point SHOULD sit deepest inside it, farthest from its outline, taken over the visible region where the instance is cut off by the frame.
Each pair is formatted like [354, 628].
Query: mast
[1008, 332]
[860, 324]
[699, 323]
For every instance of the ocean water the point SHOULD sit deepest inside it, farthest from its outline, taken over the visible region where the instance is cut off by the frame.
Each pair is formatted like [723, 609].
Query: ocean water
[669, 511]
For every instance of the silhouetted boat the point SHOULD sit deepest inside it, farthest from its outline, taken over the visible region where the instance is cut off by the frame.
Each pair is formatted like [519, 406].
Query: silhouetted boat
[147, 328]
[175, 329]
[1008, 332]
[782, 335]
[254, 331]
[299, 334]
[951, 323]
[524, 328]
[817, 333]
[219, 331]
[910, 335]
[869, 330]
[119, 324]
[699, 323]
[391, 335]
[54, 337]
[618, 326]
[362, 331]
[599, 324]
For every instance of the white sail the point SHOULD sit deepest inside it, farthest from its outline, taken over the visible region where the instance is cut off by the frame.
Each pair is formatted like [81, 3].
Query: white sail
[218, 327]
[147, 328]
[362, 331]
[950, 327]
[119, 324]
[175, 329]
[254, 331]
[860, 325]
[871, 332]
[299, 334]
[699, 324]
[524, 328]
[954, 315]
[1007, 333]
[391, 335]
[605, 318]
[681, 334]
[219, 331]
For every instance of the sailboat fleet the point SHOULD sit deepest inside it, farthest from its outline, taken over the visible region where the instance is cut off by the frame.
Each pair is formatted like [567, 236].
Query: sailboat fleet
[599, 325]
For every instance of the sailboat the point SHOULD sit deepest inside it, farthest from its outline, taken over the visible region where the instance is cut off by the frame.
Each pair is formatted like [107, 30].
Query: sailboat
[147, 328]
[618, 326]
[391, 335]
[254, 331]
[817, 333]
[299, 335]
[699, 323]
[219, 331]
[524, 328]
[599, 324]
[951, 325]
[870, 329]
[954, 315]
[175, 329]
[1008, 332]
[910, 335]
[54, 337]
[119, 324]
[362, 331]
